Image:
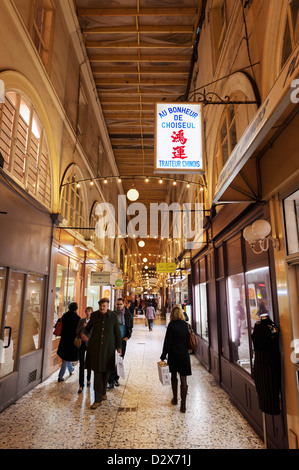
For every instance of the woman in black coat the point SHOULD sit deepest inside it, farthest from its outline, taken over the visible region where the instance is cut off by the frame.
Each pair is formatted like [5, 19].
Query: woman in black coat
[67, 351]
[176, 347]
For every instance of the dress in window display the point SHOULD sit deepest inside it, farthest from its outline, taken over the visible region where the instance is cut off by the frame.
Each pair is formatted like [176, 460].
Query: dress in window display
[267, 365]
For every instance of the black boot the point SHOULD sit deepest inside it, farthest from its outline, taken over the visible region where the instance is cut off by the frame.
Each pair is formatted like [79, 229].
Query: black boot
[174, 385]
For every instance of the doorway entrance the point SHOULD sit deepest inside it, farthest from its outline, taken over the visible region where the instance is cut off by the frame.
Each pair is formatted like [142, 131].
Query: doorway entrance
[21, 320]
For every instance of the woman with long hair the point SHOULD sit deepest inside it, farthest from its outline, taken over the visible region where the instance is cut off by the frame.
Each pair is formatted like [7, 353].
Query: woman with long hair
[176, 348]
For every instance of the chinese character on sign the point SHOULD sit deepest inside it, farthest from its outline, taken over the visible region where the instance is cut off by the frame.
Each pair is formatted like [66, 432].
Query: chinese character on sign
[179, 137]
[179, 152]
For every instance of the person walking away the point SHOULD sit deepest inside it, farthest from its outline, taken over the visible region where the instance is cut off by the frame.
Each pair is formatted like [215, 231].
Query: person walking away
[82, 350]
[175, 347]
[105, 338]
[67, 351]
[126, 324]
[150, 314]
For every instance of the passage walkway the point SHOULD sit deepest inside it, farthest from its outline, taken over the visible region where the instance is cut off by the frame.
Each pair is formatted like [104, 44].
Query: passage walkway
[137, 415]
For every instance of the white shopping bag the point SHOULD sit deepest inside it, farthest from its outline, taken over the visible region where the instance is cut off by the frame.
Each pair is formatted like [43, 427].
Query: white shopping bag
[164, 374]
[120, 369]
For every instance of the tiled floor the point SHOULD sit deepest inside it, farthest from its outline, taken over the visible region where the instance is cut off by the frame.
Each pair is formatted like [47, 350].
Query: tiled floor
[55, 416]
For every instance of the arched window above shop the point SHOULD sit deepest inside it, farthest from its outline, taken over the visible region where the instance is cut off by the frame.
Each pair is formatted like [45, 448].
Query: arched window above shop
[291, 30]
[24, 146]
[72, 205]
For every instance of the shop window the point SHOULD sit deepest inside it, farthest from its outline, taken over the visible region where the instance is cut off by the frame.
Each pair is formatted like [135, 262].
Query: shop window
[201, 311]
[23, 144]
[249, 296]
[238, 324]
[291, 213]
[33, 313]
[65, 290]
[43, 28]
[291, 30]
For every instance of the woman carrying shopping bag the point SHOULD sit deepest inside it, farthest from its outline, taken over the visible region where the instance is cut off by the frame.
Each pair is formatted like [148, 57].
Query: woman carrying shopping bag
[176, 348]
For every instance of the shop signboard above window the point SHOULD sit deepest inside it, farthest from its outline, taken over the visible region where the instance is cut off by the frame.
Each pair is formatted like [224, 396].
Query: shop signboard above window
[291, 212]
[178, 139]
[166, 267]
[100, 279]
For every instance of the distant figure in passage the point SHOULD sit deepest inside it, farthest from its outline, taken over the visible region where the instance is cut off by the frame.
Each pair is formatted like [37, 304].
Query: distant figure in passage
[176, 348]
[150, 314]
[82, 351]
[67, 351]
[105, 338]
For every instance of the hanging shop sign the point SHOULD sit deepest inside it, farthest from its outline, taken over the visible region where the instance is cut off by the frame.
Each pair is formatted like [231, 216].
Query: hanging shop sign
[178, 139]
[119, 283]
[282, 96]
[166, 267]
[100, 278]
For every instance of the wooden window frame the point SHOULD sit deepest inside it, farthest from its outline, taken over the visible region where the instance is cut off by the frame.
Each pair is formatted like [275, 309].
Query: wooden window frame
[45, 37]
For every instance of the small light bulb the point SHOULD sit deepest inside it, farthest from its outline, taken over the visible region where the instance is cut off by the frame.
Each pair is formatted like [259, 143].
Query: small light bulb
[105, 181]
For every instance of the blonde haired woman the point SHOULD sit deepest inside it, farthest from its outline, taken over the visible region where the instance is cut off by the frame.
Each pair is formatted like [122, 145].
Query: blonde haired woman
[176, 348]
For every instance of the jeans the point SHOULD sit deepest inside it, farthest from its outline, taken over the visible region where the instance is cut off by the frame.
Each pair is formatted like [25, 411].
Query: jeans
[64, 365]
[150, 323]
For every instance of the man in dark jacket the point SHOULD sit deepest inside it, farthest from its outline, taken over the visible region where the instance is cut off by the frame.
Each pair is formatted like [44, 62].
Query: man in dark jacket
[126, 324]
[105, 338]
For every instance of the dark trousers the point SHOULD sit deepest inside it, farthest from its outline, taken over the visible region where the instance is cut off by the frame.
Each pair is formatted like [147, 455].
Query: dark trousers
[82, 352]
[113, 377]
[100, 385]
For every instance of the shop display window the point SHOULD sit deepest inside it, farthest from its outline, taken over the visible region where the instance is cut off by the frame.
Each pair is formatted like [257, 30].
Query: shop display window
[65, 290]
[291, 211]
[93, 294]
[238, 322]
[201, 311]
[33, 313]
[249, 296]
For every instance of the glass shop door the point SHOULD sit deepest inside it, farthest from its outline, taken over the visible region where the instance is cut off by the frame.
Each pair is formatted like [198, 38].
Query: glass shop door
[12, 286]
[21, 307]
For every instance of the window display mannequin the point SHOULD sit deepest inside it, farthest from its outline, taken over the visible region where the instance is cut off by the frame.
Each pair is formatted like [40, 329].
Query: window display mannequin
[267, 365]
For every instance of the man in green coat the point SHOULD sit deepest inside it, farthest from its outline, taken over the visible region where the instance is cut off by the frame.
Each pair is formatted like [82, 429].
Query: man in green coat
[103, 336]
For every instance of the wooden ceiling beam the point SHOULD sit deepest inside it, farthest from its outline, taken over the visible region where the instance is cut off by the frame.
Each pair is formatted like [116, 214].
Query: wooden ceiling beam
[83, 12]
[145, 100]
[181, 58]
[122, 112]
[145, 81]
[134, 45]
[152, 29]
[133, 115]
[161, 94]
[143, 71]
